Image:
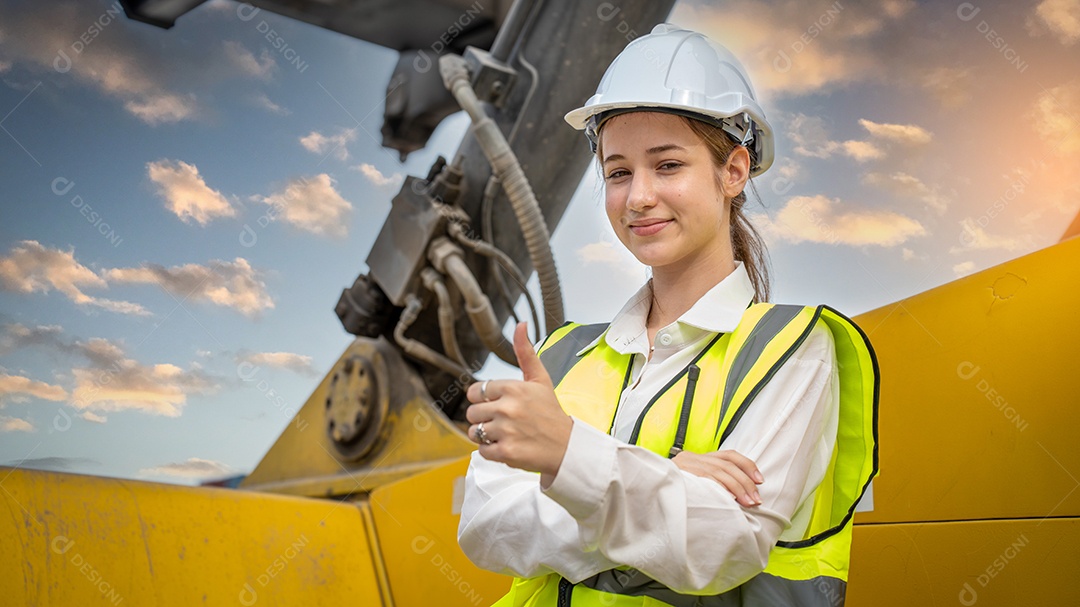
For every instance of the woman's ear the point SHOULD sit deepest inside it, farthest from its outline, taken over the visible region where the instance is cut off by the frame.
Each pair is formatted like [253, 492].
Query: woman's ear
[735, 172]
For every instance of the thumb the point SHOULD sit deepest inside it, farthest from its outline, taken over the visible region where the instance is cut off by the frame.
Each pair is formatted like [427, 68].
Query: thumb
[531, 367]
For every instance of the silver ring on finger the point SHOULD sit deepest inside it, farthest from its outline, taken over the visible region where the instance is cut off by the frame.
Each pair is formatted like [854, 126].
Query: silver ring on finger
[481, 435]
[483, 390]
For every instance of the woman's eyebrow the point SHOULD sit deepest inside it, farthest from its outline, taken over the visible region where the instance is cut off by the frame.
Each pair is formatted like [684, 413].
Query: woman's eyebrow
[667, 147]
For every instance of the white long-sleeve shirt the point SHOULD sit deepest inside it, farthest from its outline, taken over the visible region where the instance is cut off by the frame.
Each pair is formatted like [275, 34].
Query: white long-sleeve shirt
[614, 504]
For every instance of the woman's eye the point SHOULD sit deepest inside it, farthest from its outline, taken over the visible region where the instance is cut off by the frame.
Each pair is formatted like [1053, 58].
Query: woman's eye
[616, 174]
[670, 165]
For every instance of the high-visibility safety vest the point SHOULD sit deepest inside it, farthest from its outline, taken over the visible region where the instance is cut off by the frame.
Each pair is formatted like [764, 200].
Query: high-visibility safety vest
[696, 411]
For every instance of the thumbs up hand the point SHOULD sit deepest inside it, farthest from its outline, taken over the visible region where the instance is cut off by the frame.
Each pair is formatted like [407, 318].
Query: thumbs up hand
[522, 421]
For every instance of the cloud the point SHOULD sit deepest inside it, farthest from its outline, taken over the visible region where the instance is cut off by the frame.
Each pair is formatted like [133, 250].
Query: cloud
[195, 468]
[101, 352]
[1060, 17]
[950, 86]
[15, 424]
[19, 336]
[907, 254]
[907, 134]
[599, 252]
[261, 100]
[1055, 117]
[92, 417]
[282, 360]
[909, 186]
[53, 463]
[233, 284]
[861, 151]
[963, 268]
[261, 67]
[16, 387]
[117, 61]
[109, 380]
[975, 238]
[312, 204]
[114, 382]
[810, 138]
[161, 109]
[185, 192]
[822, 220]
[795, 47]
[323, 145]
[611, 255]
[376, 177]
[31, 268]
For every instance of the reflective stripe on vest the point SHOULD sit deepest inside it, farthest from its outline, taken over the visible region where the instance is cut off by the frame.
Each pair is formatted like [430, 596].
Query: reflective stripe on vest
[810, 570]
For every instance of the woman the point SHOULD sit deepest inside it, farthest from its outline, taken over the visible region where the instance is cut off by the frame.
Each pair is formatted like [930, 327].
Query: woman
[642, 431]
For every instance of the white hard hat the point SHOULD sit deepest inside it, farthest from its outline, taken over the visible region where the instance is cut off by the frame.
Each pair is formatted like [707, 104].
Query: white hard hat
[682, 72]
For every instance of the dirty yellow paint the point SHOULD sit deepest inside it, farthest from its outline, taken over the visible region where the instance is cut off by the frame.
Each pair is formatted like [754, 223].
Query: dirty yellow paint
[979, 386]
[78, 540]
[984, 563]
[417, 521]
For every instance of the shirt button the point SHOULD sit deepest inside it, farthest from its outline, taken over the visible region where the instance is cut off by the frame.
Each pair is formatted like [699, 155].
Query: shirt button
[665, 340]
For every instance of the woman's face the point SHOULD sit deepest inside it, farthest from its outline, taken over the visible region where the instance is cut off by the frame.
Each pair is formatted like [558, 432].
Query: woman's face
[662, 195]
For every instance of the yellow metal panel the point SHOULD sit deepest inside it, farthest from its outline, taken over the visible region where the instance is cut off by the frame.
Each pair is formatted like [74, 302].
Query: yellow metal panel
[979, 392]
[77, 540]
[414, 438]
[988, 563]
[417, 523]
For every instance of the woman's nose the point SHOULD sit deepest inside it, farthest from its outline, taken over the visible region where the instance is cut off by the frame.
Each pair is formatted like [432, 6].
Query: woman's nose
[642, 192]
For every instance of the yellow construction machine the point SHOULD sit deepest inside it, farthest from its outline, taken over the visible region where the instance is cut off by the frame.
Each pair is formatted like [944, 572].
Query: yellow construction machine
[357, 501]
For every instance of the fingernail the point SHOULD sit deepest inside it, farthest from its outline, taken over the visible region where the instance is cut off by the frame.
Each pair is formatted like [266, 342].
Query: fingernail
[749, 500]
[757, 497]
[758, 477]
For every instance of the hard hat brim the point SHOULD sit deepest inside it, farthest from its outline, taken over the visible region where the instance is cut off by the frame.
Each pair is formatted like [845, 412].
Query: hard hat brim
[579, 119]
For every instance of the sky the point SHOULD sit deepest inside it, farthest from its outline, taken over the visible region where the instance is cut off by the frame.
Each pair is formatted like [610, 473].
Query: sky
[180, 209]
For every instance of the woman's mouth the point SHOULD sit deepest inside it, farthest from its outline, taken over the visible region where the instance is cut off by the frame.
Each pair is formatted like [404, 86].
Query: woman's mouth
[648, 228]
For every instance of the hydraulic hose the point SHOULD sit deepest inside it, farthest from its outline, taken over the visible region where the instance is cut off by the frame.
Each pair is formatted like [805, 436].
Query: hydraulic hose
[447, 258]
[419, 350]
[478, 307]
[434, 282]
[506, 167]
[501, 260]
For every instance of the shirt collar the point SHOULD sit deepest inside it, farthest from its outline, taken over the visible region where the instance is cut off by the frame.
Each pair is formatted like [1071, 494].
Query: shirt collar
[717, 311]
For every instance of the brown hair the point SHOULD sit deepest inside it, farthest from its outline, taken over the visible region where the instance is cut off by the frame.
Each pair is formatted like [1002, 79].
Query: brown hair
[746, 242]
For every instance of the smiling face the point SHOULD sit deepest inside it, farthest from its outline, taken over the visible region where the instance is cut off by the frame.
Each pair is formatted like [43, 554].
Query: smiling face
[665, 196]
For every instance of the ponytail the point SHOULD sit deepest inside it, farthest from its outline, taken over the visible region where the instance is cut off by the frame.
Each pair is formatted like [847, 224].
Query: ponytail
[746, 242]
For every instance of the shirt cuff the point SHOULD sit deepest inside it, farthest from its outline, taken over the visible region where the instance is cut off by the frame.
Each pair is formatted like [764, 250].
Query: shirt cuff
[585, 472]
